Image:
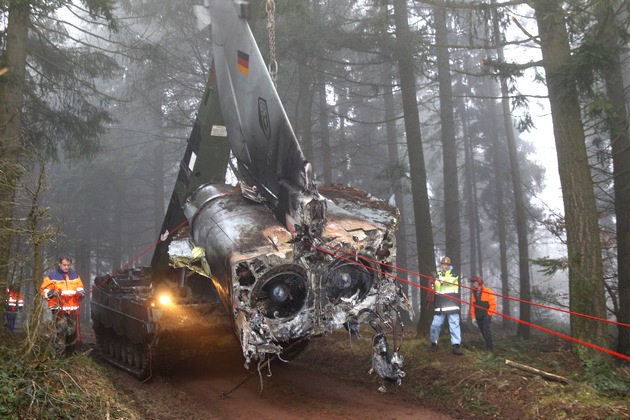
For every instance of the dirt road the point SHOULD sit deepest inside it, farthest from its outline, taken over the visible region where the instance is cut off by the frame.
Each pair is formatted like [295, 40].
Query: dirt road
[225, 390]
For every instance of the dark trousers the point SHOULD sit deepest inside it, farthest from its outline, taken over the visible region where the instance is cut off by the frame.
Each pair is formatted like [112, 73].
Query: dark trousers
[11, 319]
[484, 323]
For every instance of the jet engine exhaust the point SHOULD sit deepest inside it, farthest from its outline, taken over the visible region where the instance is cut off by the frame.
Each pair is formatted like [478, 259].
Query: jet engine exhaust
[282, 294]
[347, 279]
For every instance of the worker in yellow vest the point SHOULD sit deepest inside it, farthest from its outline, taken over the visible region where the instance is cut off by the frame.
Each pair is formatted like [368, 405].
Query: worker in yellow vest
[446, 306]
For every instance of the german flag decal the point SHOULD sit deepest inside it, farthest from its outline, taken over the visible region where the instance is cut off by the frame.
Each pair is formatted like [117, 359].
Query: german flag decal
[243, 62]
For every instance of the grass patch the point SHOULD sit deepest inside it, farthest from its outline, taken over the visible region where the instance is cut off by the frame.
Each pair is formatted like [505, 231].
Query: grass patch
[480, 384]
[477, 385]
[72, 388]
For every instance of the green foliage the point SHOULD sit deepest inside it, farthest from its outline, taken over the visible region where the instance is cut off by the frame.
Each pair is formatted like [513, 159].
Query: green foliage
[63, 109]
[474, 398]
[588, 62]
[599, 106]
[525, 123]
[296, 7]
[550, 266]
[52, 388]
[396, 176]
[509, 70]
[607, 379]
[103, 8]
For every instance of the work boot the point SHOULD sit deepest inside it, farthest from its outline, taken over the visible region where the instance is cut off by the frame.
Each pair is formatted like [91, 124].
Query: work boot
[433, 347]
[457, 350]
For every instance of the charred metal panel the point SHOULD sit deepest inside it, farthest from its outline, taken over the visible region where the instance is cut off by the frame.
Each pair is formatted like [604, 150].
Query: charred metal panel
[280, 289]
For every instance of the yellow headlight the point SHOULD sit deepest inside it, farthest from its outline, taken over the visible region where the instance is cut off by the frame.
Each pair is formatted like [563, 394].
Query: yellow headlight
[165, 300]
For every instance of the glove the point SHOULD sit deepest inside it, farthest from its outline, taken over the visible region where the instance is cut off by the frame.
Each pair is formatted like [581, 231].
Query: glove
[474, 321]
[51, 293]
[81, 294]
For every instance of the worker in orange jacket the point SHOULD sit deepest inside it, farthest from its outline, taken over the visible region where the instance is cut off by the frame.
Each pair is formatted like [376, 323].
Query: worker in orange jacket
[63, 287]
[483, 305]
[14, 304]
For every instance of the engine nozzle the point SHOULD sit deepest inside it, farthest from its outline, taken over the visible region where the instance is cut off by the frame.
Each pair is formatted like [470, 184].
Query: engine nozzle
[281, 293]
[346, 279]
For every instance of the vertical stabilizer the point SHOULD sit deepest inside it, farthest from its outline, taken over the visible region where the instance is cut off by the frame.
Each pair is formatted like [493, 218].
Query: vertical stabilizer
[261, 137]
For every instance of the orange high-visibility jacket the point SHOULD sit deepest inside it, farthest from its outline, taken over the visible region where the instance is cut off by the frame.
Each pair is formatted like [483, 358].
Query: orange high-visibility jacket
[15, 301]
[68, 285]
[487, 300]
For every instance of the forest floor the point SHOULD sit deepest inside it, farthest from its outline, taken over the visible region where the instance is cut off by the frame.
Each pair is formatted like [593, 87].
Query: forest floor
[330, 380]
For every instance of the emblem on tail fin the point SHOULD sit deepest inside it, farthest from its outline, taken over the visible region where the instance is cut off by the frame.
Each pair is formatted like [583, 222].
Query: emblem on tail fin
[263, 117]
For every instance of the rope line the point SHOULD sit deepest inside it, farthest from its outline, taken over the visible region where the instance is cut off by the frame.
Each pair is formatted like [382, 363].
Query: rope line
[334, 252]
[561, 335]
[553, 308]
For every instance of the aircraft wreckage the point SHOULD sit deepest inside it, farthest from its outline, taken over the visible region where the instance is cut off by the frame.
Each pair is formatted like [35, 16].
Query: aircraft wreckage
[264, 266]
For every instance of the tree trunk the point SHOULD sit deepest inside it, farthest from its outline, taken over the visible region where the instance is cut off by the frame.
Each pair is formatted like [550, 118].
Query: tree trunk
[324, 133]
[449, 147]
[82, 267]
[11, 100]
[525, 314]
[117, 239]
[421, 208]
[620, 145]
[499, 172]
[586, 281]
[158, 187]
[470, 201]
[470, 196]
[394, 161]
[34, 223]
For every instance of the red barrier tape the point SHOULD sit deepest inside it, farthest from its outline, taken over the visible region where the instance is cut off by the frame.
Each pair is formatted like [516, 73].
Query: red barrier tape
[566, 337]
[609, 321]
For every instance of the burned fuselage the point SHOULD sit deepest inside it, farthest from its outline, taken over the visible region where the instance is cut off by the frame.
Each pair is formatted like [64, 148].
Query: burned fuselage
[280, 290]
[286, 260]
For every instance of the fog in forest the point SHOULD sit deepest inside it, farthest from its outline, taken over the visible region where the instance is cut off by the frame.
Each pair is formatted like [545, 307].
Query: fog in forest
[101, 191]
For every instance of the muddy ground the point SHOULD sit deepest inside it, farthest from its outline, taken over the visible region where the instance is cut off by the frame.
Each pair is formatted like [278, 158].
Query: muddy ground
[330, 380]
[221, 388]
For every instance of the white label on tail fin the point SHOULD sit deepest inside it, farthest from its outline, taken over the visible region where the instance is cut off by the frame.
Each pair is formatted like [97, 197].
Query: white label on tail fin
[218, 131]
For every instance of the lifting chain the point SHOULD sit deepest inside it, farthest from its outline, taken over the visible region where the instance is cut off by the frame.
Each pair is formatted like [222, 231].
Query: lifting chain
[271, 29]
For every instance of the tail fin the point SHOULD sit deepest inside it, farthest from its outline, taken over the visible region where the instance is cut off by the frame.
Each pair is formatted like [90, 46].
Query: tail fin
[260, 135]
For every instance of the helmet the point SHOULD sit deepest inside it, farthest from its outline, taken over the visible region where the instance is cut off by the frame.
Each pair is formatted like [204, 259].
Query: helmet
[445, 260]
[476, 279]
